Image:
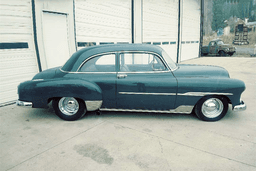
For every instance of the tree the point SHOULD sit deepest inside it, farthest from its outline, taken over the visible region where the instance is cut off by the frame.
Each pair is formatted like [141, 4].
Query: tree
[218, 15]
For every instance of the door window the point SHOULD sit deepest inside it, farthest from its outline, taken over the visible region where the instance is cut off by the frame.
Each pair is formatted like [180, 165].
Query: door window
[102, 63]
[140, 62]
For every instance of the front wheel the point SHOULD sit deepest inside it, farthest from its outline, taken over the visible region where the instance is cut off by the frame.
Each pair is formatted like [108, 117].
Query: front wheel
[231, 54]
[69, 108]
[222, 53]
[211, 108]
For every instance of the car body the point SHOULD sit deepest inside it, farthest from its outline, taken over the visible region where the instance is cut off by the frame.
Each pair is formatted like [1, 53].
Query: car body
[135, 78]
[217, 47]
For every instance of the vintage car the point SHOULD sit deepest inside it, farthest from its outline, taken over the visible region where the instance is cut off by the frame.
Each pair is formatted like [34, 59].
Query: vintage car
[217, 47]
[134, 78]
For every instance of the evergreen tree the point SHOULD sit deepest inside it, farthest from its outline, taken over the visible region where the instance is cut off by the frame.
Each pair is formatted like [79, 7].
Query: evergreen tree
[218, 15]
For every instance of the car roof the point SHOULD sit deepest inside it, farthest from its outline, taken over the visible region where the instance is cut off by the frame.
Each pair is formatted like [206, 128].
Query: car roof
[78, 57]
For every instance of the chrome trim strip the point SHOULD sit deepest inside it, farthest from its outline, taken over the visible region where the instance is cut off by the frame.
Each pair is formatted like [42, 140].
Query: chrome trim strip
[179, 94]
[142, 93]
[93, 105]
[38, 80]
[143, 72]
[240, 107]
[23, 103]
[180, 109]
[202, 94]
[149, 72]
[69, 72]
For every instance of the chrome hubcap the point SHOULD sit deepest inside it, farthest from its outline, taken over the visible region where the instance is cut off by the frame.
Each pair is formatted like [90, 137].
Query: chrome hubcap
[68, 105]
[212, 108]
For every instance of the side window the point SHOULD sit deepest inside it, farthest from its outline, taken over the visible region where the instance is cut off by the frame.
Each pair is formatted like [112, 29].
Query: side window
[212, 43]
[140, 62]
[102, 63]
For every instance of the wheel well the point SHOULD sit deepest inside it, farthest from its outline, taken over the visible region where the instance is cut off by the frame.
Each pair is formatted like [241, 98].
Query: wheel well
[222, 96]
[50, 99]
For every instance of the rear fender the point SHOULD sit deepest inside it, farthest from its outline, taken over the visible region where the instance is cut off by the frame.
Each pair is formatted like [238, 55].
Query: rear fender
[45, 90]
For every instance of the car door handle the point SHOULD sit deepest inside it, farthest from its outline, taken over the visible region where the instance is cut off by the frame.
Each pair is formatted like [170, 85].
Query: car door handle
[119, 76]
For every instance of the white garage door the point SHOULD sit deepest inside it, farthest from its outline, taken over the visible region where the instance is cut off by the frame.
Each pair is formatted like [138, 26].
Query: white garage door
[101, 22]
[160, 24]
[55, 35]
[190, 35]
[17, 55]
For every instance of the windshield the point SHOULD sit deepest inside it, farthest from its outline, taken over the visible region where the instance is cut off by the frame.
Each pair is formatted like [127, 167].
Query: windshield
[220, 43]
[169, 61]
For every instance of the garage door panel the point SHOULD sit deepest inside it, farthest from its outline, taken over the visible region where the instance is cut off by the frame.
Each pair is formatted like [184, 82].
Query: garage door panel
[160, 24]
[190, 29]
[103, 21]
[17, 65]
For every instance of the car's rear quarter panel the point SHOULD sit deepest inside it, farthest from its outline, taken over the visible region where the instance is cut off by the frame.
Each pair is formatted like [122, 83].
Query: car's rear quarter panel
[39, 92]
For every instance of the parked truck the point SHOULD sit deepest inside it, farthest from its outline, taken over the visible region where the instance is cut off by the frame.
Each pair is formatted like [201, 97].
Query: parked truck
[218, 48]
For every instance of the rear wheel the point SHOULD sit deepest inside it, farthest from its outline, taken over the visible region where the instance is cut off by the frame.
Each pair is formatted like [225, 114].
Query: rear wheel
[211, 108]
[69, 108]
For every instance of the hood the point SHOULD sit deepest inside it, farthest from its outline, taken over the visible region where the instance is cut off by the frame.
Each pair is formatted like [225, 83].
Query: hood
[225, 45]
[186, 70]
[46, 74]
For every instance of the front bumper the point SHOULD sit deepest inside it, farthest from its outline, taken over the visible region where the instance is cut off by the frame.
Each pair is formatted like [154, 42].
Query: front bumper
[23, 103]
[240, 107]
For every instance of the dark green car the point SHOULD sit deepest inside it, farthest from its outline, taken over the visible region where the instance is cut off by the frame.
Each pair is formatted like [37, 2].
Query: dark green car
[135, 78]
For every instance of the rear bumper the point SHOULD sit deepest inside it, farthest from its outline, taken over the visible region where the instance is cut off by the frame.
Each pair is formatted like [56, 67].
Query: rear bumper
[240, 107]
[23, 103]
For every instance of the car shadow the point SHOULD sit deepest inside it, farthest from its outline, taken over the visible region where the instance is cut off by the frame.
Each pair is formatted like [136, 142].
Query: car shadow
[49, 114]
[141, 115]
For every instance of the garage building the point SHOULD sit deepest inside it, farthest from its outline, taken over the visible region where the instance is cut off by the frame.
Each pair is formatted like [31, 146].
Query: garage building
[36, 35]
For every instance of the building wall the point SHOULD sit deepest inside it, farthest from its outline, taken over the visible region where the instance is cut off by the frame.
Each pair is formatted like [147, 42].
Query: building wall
[64, 26]
[18, 60]
[190, 29]
[103, 22]
[160, 24]
[43, 11]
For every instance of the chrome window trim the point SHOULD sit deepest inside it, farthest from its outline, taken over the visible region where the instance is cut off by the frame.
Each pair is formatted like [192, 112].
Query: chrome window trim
[168, 64]
[70, 72]
[168, 68]
[147, 52]
[114, 72]
[143, 72]
[105, 53]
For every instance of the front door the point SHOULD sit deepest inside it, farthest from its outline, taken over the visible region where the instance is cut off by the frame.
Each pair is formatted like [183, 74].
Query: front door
[144, 82]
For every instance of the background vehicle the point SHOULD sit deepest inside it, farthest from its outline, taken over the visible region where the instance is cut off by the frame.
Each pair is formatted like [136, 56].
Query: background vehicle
[217, 47]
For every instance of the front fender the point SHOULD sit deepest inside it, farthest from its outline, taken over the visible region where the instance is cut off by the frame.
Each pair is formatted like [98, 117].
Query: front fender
[191, 90]
[39, 92]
